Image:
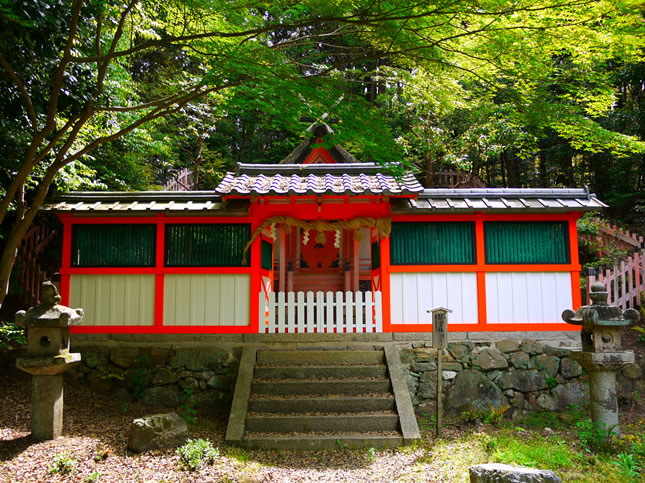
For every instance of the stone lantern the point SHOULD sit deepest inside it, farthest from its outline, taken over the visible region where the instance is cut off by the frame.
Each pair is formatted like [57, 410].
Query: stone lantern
[46, 357]
[601, 354]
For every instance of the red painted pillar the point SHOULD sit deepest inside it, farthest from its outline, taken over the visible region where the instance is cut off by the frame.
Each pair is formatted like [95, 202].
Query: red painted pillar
[160, 248]
[575, 261]
[385, 282]
[481, 273]
[66, 220]
[256, 279]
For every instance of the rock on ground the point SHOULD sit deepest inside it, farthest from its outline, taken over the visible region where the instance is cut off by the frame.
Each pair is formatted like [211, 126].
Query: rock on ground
[498, 473]
[159, 431]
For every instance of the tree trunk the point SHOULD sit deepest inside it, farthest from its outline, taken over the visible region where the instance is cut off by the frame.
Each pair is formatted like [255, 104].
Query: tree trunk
[502, 170]
[8, 257]
[430, 172]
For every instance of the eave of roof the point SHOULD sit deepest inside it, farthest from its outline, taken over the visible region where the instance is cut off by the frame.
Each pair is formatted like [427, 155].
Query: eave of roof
[146, 202]
[499, 200]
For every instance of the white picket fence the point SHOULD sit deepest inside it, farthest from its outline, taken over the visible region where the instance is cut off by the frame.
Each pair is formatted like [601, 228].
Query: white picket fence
[625, 281]
[320, 312]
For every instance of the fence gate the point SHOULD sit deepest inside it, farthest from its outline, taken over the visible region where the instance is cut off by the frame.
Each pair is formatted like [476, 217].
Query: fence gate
[320, 312]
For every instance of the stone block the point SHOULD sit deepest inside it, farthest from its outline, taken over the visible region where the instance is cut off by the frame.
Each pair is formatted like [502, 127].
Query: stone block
[473, 391]
[164, 376]
[532, 347]
[556, 351]
[190, 384]
[448, 375]
[221, 383]
[547, 402]
[508, 345]
[460, 350]
[524, 381]
[124, 357]
[427, 389]
[520, 360]
[547, 364]
[518, 400]
[423, 366]
[157, 432]
[453, 366]
[95, 357]
[407, 355]
[571, 394]
[162, 396]
[632, 371]
[488, 359]
[499, 473]
[570, 368]
[424, 355]
[157, 356]
[200, 359]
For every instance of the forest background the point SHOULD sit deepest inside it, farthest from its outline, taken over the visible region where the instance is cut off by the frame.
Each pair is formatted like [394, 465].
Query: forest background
[116, 95]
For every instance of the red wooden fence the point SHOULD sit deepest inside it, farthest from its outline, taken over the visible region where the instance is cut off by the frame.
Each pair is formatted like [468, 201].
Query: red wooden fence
[29, 271]
[183, 181]
[625, 281]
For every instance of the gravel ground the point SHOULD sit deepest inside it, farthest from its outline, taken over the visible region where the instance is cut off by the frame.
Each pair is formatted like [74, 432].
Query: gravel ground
[95, 426]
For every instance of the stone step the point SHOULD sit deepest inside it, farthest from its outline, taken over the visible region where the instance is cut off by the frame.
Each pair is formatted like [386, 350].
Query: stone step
[320, 357]
[328, 405]
[315, 372]
[322, 441]
[327, 423]
[348, 387]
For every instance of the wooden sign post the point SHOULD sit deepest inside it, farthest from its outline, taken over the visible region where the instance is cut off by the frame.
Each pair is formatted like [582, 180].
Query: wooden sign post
[439, 342]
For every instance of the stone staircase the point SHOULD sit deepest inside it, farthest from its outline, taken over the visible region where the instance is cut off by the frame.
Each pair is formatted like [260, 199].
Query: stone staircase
[321, 399]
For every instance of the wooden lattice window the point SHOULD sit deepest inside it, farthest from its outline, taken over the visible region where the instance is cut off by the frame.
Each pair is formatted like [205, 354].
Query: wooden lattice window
[206, 245]
[111, 245]
[435, 243]
[541, 242]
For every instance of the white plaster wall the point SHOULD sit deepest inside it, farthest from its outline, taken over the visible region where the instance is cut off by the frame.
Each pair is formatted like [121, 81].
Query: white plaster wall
[527, 297]
[114, 299]
[412, 294]
[213, 299]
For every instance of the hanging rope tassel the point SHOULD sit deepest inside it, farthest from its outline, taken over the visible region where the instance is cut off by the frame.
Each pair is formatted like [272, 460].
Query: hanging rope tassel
[382, 226]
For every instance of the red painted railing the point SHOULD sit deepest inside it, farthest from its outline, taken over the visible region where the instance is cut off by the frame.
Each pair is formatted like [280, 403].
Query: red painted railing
[183, 181]
[29, 270]
[625, 281]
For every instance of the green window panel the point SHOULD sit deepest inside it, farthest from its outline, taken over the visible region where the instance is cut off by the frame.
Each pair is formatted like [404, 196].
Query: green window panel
[376, 255]
[267, 255]
[109, 245]
[526, 242]
[432, 243]
[207, 245]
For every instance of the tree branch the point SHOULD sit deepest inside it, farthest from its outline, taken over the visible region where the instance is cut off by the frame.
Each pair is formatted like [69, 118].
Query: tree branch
[103, 66]
[57, 81]
[25, 95]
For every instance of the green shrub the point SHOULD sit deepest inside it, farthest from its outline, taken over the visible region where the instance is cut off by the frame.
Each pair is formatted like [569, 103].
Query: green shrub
[11, 335]
[594, 436]
[195, 453]
[628, 467]
[186, 410]
[63, 464]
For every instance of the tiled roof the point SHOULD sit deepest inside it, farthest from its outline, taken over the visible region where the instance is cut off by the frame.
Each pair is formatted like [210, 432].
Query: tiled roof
[316, 179]
[505, 200]
[185, 202]
[490, 200]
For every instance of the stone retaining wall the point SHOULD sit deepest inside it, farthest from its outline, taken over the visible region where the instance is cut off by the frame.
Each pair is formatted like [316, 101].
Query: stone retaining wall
[523, 375]
[518, 375]
[160, 376]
